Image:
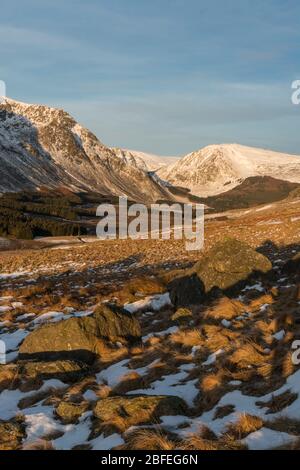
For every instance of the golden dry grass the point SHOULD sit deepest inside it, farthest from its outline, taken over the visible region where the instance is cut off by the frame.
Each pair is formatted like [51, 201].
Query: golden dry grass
[245, 425]
[146, 439]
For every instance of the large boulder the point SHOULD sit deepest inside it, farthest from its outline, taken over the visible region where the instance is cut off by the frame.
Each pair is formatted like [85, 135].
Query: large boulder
[230, 263]
[226, 267]
[138, 409]
[78, 338]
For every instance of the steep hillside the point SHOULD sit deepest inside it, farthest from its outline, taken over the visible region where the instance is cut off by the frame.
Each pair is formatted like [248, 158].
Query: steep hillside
[42, 146]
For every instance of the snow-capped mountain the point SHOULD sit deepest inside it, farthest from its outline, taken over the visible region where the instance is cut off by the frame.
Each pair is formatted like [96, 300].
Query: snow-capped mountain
[145, 161]
[43, 146]
[219, 168]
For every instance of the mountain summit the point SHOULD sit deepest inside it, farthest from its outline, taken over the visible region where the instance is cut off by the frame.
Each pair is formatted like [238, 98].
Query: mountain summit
[218, 168]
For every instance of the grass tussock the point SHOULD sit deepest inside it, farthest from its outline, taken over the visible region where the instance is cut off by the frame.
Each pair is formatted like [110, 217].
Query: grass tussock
[246, 424]
[146, 439]
[278, 402]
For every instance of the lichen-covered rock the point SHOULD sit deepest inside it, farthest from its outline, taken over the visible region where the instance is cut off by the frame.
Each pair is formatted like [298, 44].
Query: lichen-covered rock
[66, 371]
[227, 266]
[11, 435]
[78, 338]
[116, 324]
[230, 263]
[138, 409]
[70, 412]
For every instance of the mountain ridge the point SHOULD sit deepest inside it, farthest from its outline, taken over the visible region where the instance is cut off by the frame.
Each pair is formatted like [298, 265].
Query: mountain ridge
[216, 168]
[44, 146]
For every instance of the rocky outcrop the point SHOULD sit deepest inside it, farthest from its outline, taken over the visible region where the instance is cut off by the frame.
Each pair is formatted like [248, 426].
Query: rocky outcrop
[78, 338]
[230, 263]
[226, 267]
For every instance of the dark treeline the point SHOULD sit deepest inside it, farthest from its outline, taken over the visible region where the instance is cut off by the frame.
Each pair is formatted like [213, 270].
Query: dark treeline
[26, 215]
[60, 212]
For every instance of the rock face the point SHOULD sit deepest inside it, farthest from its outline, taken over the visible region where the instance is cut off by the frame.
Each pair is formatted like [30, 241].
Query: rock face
[227, 266]
[76, 338]
[139, 409]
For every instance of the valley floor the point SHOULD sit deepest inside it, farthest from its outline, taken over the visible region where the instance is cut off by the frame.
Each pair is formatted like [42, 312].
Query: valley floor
[223, 375]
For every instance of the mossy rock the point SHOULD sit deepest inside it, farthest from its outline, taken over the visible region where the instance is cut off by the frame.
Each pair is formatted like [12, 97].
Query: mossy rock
[76, 339]
[11, 435]
[138, 409]
[116, 324]
[71, 412]
[230, 264]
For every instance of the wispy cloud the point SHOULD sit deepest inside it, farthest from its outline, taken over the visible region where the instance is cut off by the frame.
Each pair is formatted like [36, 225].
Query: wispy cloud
[167, 75]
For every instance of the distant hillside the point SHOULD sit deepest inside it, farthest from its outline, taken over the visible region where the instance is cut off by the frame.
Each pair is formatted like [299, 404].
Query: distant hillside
[218, 168]
[253, 191]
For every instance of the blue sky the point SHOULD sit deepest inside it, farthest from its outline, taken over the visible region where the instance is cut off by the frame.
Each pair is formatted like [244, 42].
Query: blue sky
[163, 76]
